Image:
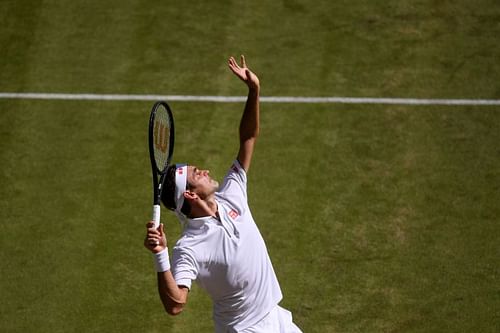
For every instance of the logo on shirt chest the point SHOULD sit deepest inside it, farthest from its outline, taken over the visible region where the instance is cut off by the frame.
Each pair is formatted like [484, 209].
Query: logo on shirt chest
[233, 214]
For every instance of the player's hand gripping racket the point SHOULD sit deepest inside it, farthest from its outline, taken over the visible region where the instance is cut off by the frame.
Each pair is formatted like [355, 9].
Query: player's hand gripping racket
[161, 149]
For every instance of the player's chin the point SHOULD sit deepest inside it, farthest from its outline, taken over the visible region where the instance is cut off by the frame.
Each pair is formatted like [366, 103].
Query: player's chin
[215, 185]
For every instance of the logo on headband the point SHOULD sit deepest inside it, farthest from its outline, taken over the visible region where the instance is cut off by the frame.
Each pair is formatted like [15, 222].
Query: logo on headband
[180, 171]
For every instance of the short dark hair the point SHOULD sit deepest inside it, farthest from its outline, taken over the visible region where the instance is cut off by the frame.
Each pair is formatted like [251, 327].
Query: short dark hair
[168, 192]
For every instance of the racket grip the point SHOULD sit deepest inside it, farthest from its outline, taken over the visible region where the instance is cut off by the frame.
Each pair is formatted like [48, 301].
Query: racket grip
[156, 215]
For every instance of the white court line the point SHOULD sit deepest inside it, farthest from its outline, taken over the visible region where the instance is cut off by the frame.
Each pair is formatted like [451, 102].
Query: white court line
[232, 99]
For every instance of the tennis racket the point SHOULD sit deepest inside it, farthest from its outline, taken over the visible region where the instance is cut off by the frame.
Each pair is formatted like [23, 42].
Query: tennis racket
[161, 149]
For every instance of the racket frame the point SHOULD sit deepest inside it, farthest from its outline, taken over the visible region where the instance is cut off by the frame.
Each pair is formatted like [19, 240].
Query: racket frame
[156, 171]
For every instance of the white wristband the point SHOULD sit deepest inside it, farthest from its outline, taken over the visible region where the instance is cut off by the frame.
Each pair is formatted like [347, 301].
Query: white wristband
[162, 261]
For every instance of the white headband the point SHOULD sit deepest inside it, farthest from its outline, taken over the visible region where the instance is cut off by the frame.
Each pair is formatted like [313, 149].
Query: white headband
[180, 185]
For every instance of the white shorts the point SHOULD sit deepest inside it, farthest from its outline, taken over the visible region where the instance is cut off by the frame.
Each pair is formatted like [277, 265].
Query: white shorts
[279, 320]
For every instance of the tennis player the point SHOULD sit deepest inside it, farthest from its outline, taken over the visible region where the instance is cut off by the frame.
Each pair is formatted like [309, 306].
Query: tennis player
[221, 247]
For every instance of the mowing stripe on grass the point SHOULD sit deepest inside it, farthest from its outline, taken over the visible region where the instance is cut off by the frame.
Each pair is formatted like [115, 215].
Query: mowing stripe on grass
[232, 99]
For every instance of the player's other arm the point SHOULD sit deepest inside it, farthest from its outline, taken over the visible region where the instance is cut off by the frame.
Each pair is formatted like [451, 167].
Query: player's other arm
[173, 297]
[249, 124]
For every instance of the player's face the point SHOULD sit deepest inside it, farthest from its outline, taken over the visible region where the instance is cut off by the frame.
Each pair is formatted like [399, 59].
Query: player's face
[200, 182]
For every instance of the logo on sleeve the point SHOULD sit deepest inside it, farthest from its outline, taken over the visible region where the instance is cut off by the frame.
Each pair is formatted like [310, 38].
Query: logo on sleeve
[235, 168]
[233, 214]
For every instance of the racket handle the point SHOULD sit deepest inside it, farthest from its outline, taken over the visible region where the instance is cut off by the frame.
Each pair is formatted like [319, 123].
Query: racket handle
[156, 215]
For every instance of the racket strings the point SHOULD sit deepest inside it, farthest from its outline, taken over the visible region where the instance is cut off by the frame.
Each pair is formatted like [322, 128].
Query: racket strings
[161, 136]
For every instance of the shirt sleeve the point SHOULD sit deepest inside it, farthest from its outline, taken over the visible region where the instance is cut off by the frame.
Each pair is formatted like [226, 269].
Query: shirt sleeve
[234, 189]
[184, 267]
[235, 181]
[239, 173]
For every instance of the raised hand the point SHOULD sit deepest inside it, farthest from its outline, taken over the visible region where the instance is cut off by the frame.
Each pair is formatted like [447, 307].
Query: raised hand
[245, 74]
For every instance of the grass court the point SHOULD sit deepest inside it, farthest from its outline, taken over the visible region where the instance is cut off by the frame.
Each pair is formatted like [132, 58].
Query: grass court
[378, 218]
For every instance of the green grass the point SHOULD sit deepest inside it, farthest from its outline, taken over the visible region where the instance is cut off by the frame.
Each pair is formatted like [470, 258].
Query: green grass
[377, 218]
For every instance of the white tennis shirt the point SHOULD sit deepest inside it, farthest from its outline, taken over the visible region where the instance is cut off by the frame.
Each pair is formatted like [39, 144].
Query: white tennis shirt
[228, 258]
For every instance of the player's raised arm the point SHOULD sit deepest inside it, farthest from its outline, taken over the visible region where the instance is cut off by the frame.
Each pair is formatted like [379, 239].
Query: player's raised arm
[249, 125]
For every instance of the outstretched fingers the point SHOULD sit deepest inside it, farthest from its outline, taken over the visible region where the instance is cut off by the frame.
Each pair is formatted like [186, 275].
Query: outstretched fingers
[236, 69]
[234, 65]
[242, 71]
